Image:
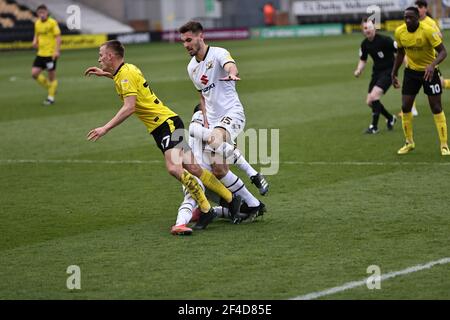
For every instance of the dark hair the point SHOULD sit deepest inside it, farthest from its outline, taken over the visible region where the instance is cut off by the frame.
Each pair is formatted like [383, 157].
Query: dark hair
[197, 108]
[365, 19]
[421, 3]
[42, 7]
[116, 46]
[192, 26]
[414, 9]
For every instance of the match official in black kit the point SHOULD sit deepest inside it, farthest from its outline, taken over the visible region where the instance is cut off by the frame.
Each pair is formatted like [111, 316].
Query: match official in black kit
[382, 49]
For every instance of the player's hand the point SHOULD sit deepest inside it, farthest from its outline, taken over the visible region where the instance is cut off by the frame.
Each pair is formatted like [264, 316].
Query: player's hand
[357, 73]
[96, 133]
[429, 72]
[395, 82]
[96, 71]
[56, 55]
[230, 77]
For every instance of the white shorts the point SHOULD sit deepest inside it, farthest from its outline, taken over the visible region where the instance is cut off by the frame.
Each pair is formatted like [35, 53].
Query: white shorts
[233, 123]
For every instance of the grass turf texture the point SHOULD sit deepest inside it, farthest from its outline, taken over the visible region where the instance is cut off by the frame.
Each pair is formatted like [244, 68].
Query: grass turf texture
[341, 201]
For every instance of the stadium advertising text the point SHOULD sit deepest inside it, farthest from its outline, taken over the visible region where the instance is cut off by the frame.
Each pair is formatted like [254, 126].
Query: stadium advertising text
[308, 8]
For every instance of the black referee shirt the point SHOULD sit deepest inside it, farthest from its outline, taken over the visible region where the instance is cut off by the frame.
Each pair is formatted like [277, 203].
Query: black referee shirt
[381, 49]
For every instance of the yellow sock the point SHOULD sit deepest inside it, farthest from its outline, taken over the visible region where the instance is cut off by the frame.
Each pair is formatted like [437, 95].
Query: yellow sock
[213, 184]
[447, 83]
[52, 88]
[407, 126]
[441, 126]
[196, 191]
[43, 81]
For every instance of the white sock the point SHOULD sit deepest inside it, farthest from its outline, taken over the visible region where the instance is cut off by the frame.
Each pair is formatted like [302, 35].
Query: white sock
[236, 186]
[243, 165]
[185, 210]
[51, 98]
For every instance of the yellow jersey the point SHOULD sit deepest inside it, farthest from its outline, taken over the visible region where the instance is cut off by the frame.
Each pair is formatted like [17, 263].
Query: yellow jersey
[419, 45]
[431, 22]
[129, 81]
[46, 33]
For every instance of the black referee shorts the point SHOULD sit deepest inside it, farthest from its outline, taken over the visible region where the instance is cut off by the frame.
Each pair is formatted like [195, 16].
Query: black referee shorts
[381, 79]
[413, 81]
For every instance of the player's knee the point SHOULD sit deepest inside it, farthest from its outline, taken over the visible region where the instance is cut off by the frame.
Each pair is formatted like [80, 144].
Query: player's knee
[406, 107]
[217, 138]
[195, 169]
[34, 74]
[436, 108]
[214, 143]
[219, 171]
[371, 98]
[175, 170]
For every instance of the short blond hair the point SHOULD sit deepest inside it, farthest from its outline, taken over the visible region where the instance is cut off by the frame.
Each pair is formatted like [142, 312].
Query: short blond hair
[116, 46]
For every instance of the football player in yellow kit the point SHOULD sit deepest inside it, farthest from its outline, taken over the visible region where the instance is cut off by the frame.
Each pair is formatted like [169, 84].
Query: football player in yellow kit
[47, 40]
[420, 43]
[162, 123]
[425, 17]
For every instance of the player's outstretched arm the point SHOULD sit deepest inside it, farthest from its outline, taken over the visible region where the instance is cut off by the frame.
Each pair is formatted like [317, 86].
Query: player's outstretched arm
[127, 110]
[98, 72]
[232, 71]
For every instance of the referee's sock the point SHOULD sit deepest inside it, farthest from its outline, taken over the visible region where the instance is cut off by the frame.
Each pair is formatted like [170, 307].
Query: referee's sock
[375, 113]
[382, 109]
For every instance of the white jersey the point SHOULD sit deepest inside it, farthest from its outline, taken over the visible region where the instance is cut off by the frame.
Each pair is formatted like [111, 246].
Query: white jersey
[221, 98]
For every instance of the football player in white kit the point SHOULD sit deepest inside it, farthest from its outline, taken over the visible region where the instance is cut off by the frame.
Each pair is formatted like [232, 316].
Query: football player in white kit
[188, 211]
[214, 74]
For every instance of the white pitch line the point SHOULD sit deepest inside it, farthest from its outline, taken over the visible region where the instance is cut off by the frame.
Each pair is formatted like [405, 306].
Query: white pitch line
[302, 163]
[363, 163]
[75, 161]
[360, 283]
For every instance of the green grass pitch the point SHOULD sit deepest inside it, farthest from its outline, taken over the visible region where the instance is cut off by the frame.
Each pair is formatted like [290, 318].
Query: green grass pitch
[340, 202]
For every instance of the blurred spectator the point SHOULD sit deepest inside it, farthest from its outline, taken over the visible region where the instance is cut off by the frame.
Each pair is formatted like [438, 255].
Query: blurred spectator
[269, 12]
